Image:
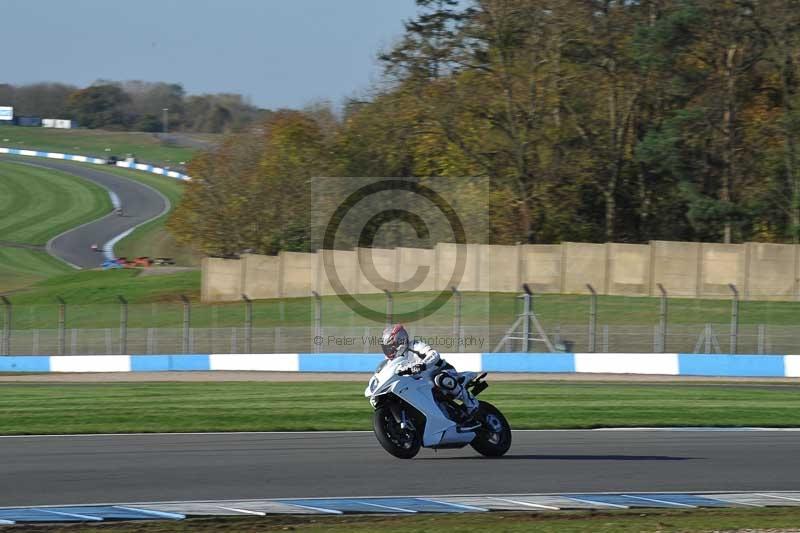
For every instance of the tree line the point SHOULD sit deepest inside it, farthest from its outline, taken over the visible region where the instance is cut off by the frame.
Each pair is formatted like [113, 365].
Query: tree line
[594, 120]
[133, 106]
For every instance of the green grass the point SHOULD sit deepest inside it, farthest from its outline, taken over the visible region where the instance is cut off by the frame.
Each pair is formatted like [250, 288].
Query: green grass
[650, 520]
[240, 406]
[37, 204]
[21, 268]
[146, 146]
[153, 239]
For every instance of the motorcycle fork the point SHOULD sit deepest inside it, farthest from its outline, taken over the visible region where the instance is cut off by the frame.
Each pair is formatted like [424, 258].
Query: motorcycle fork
[399, 415]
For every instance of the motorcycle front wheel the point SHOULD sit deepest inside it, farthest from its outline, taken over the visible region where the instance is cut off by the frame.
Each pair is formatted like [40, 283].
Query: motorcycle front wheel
[400, 442]
[493, 439]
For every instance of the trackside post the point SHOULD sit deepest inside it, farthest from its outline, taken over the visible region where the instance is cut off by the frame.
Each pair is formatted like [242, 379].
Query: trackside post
[187, 321]
[457, 319]
[734, 318]
[62, 322]
[662, 319]
[5, 347]
[123, 325]
[248, 324]
[317, 321]
[592, 319]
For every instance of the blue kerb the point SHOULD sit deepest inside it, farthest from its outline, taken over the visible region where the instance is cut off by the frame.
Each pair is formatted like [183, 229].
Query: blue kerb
[528, 362]
[25, 363]
[163, 363]
[339, 362]
[731, 365]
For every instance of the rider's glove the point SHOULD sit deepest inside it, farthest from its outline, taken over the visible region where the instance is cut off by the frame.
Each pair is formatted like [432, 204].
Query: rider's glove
[416, 369]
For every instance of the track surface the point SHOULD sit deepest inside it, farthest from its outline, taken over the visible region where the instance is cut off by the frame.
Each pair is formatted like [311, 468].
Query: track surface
[140, 203]
[115, 468]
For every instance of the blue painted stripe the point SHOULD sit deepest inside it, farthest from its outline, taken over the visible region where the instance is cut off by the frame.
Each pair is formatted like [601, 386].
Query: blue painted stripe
[35, 515]
[164, 363]
[528, 362]
[731, 365]
[340, 362]
[25, 363]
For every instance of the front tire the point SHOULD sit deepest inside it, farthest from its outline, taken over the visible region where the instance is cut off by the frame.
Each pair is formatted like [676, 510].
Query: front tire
[402, 443]
[493, 439]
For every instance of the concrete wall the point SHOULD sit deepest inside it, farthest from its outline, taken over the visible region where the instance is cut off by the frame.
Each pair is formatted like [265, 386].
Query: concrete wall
[685, 269]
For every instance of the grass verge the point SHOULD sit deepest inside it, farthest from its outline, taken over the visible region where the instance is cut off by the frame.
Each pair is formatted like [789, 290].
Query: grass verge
[303, 406]
[20, 267]
[666, 521]
[146, 146]
[37, 204]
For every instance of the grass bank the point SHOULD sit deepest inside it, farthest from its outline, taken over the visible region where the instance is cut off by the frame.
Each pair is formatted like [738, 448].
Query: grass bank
[665, 521]
[35, 205]
[97, 143]
[242, 406]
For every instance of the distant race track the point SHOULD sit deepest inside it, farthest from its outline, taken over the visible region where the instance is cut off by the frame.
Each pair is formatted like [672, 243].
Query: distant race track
[139, 202]
[50, 470]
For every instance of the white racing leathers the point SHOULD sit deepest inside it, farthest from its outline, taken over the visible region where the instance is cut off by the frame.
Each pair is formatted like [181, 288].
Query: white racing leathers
[419, 353]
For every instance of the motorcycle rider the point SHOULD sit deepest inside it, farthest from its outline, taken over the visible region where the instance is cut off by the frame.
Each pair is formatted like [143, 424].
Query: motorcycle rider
[420, 357]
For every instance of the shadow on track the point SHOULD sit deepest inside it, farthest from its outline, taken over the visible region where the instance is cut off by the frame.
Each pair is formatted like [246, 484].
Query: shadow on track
[568, 458]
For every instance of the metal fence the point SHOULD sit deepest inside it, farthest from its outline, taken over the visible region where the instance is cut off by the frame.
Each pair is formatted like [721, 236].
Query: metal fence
[474, 322]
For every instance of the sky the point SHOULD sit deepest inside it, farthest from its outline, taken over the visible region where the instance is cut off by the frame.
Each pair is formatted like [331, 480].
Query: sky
[279, 53]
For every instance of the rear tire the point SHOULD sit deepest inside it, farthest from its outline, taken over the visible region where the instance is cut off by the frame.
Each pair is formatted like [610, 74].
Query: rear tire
[493, 439]
[402, 443]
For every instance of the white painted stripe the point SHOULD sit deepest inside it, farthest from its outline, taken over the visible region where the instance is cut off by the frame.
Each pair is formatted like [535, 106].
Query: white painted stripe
[601, 504]
[728, 500]
[161, 514]
[388, 507]
[108, 248]
[627, 363]
[778, 497]
[81, 158]
[243, 511]
[791, 366]
[52, 155]
[654, 500]
[4, 150]
[73, 515]
[90, 363]
[28, 152]
[471, 362]
[273, 362]
[459, 505]
[525, 504]
[320, 509]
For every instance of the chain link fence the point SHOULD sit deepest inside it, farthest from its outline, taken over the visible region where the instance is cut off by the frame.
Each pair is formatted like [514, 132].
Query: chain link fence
[469, 322]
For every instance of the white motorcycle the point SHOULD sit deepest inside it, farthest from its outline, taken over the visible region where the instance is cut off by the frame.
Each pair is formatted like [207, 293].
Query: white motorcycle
[411, 412]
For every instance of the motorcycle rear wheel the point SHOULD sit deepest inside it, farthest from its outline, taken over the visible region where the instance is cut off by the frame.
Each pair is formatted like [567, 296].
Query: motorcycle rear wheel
[493, 439]
[402, 443]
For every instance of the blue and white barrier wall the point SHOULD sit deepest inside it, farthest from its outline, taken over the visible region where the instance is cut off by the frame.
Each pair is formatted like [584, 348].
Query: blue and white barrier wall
[96, 161]
[674, 364]
[53, 155]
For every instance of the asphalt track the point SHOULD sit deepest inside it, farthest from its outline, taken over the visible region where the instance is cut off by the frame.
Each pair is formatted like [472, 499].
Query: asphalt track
[140, 203]
[162, 467]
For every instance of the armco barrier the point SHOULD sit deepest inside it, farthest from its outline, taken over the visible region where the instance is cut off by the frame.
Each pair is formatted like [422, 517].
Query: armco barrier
[96, 161]
[633, 363]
